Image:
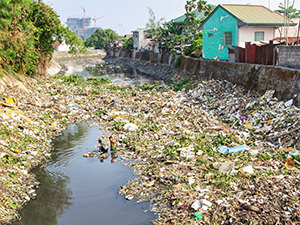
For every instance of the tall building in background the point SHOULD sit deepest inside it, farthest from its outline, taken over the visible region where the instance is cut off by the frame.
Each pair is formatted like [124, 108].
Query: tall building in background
[81, 27]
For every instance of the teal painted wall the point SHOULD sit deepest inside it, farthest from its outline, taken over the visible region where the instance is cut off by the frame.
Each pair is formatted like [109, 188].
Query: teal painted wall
[220, 22]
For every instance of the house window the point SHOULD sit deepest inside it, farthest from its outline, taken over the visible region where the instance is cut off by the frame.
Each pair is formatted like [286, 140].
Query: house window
[259, 36]
[210, 35]
[228, 38]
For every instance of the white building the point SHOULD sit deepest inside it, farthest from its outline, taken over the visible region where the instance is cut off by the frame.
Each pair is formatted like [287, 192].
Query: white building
[140, 39]
[63, 47]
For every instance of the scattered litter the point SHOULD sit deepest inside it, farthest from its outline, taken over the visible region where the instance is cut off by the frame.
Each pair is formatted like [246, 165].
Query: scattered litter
[129, 197]
[187, 152]
[248, 169]
[130, 127]
[227, 150]
[196, 205]
[198, 216]
[289, 103]
[226, 167]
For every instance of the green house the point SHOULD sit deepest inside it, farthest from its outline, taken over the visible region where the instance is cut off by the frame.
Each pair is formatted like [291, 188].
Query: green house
[199, 16]
[234, 25]
[181, 19]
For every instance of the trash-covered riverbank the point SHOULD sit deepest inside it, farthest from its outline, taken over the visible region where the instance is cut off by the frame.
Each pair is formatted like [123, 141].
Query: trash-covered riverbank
[193, 168]
[29, 120]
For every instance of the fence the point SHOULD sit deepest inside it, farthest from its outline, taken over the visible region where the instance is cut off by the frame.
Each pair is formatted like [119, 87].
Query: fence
[254, 54]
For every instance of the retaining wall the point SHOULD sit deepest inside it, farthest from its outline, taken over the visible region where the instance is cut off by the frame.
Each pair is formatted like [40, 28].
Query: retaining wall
[285, 81]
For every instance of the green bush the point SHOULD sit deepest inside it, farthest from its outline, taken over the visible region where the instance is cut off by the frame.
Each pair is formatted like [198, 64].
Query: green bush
[98, 81]
[29, 29]
[74, 79]
[195, 50]
[100, 38]
[128, 44]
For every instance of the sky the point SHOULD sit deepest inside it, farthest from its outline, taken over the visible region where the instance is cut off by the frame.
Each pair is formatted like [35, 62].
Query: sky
[124, 16]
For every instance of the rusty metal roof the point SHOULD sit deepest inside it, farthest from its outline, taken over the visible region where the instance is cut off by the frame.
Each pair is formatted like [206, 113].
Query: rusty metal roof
[256, 15]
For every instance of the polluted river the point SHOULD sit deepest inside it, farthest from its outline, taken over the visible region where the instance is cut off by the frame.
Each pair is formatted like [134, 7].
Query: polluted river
[77, 190]
[189, 151]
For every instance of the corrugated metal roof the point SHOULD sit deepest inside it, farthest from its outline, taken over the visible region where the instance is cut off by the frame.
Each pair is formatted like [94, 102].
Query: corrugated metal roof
[181, 19]
[199, 16]
[255, 14]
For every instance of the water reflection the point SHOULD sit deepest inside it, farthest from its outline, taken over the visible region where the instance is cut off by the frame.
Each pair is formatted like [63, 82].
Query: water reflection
[54, 199]
[103, 157]
[76, 191]
[65, 143]
[115, 73]
[113, 156]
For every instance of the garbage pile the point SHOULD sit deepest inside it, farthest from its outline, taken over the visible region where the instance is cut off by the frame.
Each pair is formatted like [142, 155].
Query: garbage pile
[263, 119]
[193, 168]
[184, 172]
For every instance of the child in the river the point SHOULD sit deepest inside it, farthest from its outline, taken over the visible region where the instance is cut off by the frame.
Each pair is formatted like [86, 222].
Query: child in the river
[113, 144]
[101, 146]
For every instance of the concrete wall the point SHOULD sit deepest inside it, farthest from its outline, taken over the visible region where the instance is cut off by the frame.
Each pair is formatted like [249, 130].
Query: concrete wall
[285, 81]
[289, 56]
[158, 58]
[247, 34]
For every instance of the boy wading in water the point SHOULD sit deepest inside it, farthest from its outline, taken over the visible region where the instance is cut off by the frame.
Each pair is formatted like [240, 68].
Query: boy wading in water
[113, 149]
[101, 146]
[113, 144]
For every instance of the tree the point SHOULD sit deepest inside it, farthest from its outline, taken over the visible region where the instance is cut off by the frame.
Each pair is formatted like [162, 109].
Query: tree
[49, 29]
[191, 23]
[288, 11]
[152, 25]
[152, 22]
[175, 38]
[195, 49]
[29, 29]
[128, 44]
[5, 13]
[169, 36]
[100, 38]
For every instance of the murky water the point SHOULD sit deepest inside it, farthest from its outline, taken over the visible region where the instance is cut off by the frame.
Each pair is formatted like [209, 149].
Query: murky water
[119, 74]
[82, 191]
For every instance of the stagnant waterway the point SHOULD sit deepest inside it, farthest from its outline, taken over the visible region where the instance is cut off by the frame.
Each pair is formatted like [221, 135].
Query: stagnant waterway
[77, 191]
[118, 74]
[84, 191]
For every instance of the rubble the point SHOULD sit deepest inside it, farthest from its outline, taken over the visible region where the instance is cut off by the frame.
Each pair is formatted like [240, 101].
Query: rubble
[172, 140]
